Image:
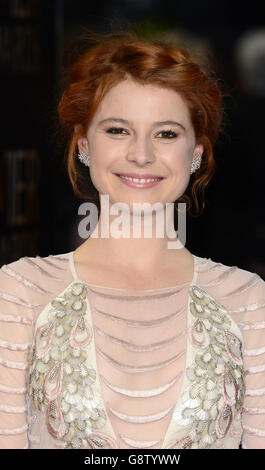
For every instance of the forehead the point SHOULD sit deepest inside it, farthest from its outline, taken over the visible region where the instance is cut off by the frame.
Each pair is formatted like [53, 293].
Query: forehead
[134, 101]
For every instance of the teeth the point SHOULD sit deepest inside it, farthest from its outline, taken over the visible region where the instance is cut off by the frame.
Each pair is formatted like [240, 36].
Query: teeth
[142, 180]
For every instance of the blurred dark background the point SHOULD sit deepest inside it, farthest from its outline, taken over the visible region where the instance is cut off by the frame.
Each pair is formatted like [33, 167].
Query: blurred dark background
[38, 209]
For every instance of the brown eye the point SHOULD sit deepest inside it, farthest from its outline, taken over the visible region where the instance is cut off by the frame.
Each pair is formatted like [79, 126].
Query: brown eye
[168, 134]
[116, 130]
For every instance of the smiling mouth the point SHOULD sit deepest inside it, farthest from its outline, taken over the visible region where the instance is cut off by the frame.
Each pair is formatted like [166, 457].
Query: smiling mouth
[140, 183]
[140, 179]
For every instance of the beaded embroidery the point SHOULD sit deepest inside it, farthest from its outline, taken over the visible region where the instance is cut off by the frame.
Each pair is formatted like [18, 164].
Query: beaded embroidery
[60, 382]
[216, 389]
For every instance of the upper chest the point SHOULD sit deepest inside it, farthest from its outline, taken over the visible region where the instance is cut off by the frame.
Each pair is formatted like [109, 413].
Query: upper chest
[110, 275]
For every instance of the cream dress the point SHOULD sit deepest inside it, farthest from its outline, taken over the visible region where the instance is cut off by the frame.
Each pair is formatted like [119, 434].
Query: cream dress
[94, 367]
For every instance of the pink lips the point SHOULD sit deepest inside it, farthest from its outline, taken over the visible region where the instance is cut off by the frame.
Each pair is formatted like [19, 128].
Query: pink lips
[133, 184]
[139, 175]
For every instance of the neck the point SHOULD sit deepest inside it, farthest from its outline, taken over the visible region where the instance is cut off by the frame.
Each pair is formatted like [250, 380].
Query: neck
[140, 242]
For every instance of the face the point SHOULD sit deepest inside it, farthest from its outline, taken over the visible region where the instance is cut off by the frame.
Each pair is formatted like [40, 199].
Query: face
[142, 129]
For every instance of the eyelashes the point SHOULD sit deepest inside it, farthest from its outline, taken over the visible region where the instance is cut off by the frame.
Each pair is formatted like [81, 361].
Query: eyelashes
[167, 134]
[116, 130]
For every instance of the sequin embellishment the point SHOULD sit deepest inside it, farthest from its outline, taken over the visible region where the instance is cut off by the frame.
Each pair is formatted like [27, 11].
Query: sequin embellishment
[60, 382]
[215, 393]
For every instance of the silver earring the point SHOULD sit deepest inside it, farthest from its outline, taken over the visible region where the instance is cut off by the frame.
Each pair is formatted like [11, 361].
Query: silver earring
[196, 163]
[84, 158]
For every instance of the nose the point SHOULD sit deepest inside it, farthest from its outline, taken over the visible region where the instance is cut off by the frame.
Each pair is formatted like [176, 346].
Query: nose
[140, 151]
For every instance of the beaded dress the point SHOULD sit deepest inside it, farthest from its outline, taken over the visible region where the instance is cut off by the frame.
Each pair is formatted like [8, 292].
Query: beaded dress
[94, 367]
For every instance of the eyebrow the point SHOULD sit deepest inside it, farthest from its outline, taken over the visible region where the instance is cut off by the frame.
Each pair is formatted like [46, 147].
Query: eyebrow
[157, 123]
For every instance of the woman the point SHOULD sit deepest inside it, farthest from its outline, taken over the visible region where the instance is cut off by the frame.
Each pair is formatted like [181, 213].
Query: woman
[125, 342]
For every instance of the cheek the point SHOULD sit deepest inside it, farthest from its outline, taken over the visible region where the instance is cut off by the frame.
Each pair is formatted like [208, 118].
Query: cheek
[103, 156]
[105, 152]
[178, 159]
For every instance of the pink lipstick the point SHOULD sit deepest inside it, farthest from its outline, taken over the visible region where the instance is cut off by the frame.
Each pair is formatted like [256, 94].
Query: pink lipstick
[141, 181]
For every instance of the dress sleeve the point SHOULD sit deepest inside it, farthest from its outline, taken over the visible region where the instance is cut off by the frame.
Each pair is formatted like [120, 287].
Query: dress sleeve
[253, 419]
[16, 326]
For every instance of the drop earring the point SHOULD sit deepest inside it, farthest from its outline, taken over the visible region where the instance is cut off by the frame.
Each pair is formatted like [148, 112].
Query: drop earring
[84, 158]
[196, 163]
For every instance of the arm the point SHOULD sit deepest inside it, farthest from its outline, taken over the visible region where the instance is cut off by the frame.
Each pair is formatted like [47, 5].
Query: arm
[253, 418]
[16, 325]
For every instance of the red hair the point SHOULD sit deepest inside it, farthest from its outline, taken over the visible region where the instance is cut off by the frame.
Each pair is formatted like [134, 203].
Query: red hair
[114, 58]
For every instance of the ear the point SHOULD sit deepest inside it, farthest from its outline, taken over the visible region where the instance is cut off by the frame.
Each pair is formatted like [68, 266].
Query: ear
[82, 142]
[198, 150]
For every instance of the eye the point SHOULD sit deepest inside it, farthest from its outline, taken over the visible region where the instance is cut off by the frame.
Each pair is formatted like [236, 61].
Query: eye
[116, 130]
[167, 134]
